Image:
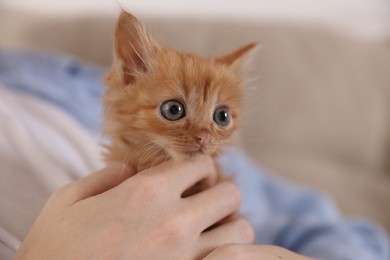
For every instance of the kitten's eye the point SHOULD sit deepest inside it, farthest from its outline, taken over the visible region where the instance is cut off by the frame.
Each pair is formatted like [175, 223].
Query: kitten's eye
[172, 110]
[222, 116]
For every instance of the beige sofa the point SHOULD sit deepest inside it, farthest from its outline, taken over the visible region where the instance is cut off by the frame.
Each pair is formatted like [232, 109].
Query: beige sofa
[318, 106]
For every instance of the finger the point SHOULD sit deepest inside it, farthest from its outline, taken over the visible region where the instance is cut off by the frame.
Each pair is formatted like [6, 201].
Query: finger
[183, 175]
[237, 251]
[255, 252]
[97, 182]
[236, 231]
[212, 205]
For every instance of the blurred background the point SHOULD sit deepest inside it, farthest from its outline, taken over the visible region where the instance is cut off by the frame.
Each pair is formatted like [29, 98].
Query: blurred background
[318, 105]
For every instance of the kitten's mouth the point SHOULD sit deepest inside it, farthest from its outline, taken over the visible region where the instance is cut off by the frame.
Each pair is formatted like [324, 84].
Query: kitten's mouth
[193, 153]
[200, 151]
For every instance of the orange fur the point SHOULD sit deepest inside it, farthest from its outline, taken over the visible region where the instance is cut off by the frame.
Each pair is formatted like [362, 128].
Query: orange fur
[143, 76]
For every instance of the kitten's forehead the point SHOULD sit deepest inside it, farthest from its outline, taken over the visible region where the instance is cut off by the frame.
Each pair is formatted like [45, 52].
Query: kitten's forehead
[200, 81]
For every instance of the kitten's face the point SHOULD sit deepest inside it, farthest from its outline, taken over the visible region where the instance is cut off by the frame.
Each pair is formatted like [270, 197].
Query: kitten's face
[168, 103]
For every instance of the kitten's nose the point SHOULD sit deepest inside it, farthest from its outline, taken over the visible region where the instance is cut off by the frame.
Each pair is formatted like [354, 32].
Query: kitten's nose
[203, 137]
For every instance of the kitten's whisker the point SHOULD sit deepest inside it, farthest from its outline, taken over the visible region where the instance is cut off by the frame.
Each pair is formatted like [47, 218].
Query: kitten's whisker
[144, 152]
[135, 150]
[145, 156]
[125, 160]
[158, 158]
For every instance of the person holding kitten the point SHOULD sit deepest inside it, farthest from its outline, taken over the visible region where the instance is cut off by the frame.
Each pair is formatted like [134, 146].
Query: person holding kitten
[173, 187]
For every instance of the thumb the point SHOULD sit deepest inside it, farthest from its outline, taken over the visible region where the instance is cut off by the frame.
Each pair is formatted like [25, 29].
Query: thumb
[97, 182]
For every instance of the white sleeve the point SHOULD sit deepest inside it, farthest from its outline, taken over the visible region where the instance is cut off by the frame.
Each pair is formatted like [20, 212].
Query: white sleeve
[41, 149]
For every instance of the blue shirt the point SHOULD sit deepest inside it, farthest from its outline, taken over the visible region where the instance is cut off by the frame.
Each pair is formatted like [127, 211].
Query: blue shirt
[296, 218]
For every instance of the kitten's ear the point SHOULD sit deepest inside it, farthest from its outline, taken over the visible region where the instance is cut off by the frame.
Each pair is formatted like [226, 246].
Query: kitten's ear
[237, 57]
[134, 48]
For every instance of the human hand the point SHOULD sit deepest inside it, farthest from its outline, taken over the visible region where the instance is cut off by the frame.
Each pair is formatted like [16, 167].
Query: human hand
[108, 215]
[253, 252]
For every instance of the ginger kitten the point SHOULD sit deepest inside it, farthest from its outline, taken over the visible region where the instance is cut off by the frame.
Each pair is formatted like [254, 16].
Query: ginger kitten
[162, 104]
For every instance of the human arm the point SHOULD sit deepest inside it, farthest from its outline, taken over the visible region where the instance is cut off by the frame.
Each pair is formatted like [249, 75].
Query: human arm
[108, 215]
